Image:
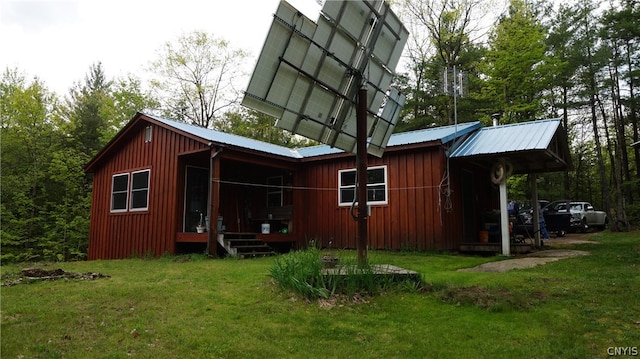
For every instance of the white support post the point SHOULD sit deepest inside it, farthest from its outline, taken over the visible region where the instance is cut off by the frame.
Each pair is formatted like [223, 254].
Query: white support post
[504, 219]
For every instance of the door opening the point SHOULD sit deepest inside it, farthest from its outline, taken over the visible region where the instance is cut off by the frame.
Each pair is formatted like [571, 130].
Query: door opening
[196, 193]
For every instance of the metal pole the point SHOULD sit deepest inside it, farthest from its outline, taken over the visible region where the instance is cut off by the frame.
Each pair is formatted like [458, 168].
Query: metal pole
[361, 173]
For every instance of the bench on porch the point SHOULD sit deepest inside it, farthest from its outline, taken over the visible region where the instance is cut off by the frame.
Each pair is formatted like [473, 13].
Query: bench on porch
[279, 218]
[283, 213]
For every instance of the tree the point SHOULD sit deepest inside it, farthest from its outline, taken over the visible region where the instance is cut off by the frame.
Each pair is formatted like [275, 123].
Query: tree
[86, 111]
[45, 198]
[28, 139]
[620, 34]
[593, 58]
[196, 78]
[125, 98]
[564, 61]
[514, 64]
[440, 40]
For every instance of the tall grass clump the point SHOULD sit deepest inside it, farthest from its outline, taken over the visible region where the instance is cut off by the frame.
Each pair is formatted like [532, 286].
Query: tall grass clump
[301, 271]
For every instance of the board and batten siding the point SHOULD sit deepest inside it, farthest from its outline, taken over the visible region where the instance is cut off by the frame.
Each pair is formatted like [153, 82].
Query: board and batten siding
[411, 218]
[137, 233]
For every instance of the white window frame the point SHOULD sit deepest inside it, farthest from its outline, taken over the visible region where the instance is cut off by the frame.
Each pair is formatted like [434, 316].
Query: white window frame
[126, 192]
[342, 187]
[131, 190]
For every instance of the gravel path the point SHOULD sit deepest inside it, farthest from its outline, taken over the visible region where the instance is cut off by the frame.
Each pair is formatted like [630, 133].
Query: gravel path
[539, 257]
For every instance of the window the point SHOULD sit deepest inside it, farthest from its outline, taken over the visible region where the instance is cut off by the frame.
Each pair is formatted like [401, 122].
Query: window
[274, 191]
[376, 186]
[130, 191]
[119, 192]
[140, 190]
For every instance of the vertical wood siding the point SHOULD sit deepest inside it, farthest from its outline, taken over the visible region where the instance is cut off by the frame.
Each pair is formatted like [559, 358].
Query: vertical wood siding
[415, 216]
[122, 235]
[411, 219]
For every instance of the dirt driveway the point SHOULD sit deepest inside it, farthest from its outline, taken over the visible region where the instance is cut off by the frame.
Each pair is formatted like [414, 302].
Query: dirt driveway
[554, 250]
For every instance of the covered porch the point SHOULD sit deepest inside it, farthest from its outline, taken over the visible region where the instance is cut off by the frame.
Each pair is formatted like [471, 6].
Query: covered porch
[227, 201]
[489, 157]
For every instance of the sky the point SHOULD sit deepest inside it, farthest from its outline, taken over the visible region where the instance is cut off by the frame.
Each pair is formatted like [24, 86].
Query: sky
[58, 40]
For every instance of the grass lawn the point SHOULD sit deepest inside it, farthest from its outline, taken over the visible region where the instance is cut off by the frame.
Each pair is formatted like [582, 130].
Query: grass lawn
[193, 307]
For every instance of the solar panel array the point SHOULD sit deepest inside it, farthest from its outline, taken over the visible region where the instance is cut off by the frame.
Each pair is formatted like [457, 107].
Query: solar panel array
[309, 73]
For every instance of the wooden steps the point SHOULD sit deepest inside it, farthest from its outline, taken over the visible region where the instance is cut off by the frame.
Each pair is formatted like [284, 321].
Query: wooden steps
[244, 245]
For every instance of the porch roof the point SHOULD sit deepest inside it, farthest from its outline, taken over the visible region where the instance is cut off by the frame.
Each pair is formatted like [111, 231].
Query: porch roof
[535, 146]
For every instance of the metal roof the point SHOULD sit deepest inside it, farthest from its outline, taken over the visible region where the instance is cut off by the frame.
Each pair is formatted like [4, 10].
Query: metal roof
[229, 139]
[530, 147]
[443, 134]
[524, 136]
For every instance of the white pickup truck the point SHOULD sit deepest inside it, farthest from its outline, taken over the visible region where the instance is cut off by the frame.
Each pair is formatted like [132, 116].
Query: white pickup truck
[585, 216]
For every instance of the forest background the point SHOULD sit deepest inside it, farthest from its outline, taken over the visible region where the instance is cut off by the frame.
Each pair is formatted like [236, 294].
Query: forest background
[578, 62]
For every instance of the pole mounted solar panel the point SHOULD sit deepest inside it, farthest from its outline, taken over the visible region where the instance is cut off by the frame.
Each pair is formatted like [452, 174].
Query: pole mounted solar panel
[309, 73]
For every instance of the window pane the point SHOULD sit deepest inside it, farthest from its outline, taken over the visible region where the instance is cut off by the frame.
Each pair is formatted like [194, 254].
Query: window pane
[139, 189]
[140, 180]
[120, 183]
[348, 178]
[139, 199]
[119, 201]
[375, 176]
[376, 193]
[347, 195]
[119, 192]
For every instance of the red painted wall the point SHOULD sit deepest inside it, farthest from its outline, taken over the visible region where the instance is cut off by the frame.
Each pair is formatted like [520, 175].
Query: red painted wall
[122, 235]
[410, 220]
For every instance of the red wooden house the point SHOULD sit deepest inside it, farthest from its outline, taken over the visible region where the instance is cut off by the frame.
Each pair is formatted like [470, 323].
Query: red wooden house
[162, 186]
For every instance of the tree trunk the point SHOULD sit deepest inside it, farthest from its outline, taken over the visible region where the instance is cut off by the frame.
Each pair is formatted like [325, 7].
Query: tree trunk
[633, 117]
[593, 102]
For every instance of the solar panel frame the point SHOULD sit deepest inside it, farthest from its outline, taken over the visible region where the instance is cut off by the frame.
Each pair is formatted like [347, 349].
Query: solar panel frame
[308, 74]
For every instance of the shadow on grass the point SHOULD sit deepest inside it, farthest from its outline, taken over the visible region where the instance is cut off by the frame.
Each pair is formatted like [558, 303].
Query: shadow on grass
[490, 299]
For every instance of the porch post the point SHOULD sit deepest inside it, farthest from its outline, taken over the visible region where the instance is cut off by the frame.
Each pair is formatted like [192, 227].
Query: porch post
[504, 219]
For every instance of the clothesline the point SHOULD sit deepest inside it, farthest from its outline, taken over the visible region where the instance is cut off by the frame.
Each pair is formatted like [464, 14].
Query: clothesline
[248, 184]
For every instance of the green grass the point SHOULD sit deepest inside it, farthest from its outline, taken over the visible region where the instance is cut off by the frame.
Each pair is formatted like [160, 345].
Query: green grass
[192, 307]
